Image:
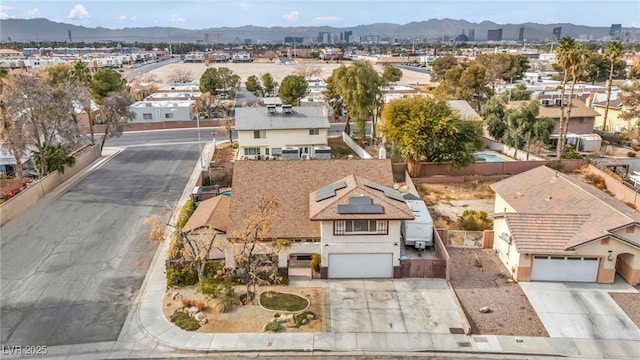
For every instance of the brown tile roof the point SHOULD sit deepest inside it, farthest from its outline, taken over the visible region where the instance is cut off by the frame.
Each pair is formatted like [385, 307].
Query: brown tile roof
[545, 191]
[327, 209]
[212, 212]
[290, 182]
[543, 232]
[578, 109]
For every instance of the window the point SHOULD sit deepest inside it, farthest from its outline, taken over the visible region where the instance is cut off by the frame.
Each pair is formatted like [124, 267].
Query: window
[259, 134]
[276, 151]
[359, 227]
[251, 151]
[147, 116]
[168, 116]
[314, 132]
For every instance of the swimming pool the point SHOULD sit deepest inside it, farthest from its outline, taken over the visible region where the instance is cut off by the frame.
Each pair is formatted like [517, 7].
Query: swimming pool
[488, 157]
[226, 193]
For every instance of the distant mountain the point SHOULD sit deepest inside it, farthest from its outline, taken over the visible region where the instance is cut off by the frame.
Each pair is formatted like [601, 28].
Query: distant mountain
[22, 30]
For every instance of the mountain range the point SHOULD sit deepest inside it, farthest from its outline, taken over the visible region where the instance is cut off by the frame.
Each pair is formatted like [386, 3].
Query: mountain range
[43, 30]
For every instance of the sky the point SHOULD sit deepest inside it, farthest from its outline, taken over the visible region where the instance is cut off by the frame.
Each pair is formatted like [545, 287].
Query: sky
[202, 14]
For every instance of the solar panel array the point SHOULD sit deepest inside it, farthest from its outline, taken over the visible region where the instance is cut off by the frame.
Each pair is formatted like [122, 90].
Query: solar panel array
[388, 192]
[329, 191]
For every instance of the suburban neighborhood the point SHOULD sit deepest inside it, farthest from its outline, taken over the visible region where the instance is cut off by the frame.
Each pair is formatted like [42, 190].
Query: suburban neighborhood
[341, 194]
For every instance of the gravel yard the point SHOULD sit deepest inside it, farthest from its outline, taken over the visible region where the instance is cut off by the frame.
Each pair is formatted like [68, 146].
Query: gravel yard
[480, 280]
[630, 304]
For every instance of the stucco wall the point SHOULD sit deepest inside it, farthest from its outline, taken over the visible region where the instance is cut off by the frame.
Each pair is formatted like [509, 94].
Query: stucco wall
[281, 138]
[360, 244]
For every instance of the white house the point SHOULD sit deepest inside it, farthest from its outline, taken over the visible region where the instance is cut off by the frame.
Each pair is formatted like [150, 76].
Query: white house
[263, 132]
[159, 111]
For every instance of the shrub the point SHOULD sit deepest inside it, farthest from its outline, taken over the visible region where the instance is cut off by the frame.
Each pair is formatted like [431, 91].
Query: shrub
[473, 220]
[570, 153]
[210, 287]
[273, 326]
[206, 181]
[184, 321]
[185, 213]
[631, 154]
[297, 318]
[596, 180]
[181, 274]
[315, 262]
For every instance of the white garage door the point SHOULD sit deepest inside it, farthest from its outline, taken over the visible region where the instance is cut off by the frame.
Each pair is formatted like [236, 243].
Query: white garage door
[559, 268]
[360, 266]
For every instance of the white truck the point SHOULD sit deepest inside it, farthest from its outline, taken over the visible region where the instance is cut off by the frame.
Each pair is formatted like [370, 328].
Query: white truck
[419, 231]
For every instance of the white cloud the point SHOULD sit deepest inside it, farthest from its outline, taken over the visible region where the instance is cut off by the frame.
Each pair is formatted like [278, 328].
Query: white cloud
[292, 16]
[32, 13]
[176, 18]
[243, 5]
[78, 13]
[122, 17]
[3, 14]
[326, 19]
[133, 18]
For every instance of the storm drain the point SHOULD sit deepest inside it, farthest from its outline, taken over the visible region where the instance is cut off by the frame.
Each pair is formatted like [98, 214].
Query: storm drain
[464, 344]
[456, 331]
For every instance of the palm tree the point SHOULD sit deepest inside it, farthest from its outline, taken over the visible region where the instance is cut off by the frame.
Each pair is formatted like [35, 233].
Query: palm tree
[572, 57]
[7, 125]
[613, 54]
[80, 73]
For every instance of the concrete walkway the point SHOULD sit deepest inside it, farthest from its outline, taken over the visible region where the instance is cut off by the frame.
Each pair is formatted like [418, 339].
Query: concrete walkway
[148, 333]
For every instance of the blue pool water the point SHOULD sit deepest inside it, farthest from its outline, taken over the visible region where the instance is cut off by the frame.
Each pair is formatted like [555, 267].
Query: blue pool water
[488, 157]
[226, 193]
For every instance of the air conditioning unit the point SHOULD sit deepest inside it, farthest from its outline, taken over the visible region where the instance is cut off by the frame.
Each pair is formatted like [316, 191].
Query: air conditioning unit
[558, 102]
[545, 102]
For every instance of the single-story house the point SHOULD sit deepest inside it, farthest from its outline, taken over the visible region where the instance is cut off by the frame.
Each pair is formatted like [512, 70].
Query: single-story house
[353, 221]
[551, 226]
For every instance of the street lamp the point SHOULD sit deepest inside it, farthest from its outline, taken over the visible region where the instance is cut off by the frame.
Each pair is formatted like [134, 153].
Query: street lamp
[199, 140]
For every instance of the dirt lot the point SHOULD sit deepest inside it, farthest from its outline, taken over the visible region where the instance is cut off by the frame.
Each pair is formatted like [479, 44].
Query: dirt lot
[480, 280]
[277, 71]
[630, 304]
[448, 201]
[248, 318]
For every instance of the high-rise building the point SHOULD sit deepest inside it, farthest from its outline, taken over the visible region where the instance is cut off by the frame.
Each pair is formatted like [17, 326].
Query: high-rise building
[471, 34]
[213, 38]
[494, 35]
[615, 31]
[346, 37]
[557, 33]
[521, 35]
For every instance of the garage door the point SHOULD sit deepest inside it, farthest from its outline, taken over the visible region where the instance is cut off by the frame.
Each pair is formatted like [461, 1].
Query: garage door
[360, 266]
[559, 268]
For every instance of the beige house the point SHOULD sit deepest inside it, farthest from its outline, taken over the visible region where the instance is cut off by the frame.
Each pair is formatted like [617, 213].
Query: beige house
[614, 122]
[281, 132]
[552, 227]
[353, 221]
[581, 121]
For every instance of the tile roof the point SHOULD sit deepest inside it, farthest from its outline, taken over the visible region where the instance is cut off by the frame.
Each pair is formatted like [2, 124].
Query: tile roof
[543, 190]
[212, 212]
[290, 182]
[578, 109]
[543, 232]
[327, 209]
[463, 109]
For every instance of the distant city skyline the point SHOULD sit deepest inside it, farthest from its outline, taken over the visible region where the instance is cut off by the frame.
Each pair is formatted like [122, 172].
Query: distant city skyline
[202, 14]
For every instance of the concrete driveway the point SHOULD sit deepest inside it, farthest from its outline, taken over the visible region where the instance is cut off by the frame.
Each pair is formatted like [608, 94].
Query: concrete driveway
[581, 310]
[393, 306]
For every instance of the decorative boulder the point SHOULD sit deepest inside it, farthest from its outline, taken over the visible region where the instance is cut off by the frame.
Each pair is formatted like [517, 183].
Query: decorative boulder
[192, 311]
[311, 316]
[304, 321]
[485, 310]
[200, 316]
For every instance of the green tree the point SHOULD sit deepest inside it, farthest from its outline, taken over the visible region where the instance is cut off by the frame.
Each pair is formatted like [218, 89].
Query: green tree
[292, 89]
[519, 92]
[525, 127]
[80, 72]
[81, 75]
[391, 74]
[58, 73]
[105, 81]
[219, 80]
[493, 113]
[572, 58]
[441, 65]
[424, 128]
[333, 95]
[496, 65]
[634, 74]
[253, 85]
[268, 84]
[630, 98]
[58, 157]
[613, 54]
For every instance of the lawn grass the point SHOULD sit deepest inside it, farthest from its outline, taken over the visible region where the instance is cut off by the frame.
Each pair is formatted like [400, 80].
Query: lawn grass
[273, 300]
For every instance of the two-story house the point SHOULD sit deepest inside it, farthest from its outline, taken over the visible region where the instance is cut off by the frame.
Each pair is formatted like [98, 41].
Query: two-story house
[283, 132]
[353, 221]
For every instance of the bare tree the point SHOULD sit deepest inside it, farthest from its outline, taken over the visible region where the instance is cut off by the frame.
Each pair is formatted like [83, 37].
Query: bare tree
[308, 70]
[8, 132]
[42, 111]
[194, 248]
[255, 260]
[181, 76]
[143, 85]
[115, 114]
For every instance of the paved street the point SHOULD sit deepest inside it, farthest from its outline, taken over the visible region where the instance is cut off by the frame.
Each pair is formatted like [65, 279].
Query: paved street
[71, 266]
